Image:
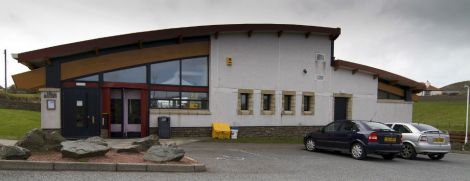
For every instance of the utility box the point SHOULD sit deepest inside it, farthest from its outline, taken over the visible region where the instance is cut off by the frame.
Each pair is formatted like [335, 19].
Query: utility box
[164, 128]
[220, 130]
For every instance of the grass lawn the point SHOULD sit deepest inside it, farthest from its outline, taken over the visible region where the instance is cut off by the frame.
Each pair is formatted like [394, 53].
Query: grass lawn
[15, 123]
[268, 140]
[445, 115]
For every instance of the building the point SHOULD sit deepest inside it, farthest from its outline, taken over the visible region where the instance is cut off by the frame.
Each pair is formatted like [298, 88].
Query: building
[430, 90]
[265, 79]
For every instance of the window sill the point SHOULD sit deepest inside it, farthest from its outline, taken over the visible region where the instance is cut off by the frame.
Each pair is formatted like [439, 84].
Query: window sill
[245, 112]
[307, 112]
[181, 111]
[267, 112]
[288, 113]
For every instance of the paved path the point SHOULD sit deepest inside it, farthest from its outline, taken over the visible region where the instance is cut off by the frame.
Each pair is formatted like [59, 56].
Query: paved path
[278, 162]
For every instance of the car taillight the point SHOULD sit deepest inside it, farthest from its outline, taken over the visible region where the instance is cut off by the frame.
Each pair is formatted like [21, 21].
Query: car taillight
[423, 138]
[373, 137]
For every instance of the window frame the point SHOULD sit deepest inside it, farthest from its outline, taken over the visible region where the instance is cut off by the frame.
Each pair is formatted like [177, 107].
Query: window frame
[291, 102]
[310, 103]
[180, 87]
[249, 101]
[270, 103]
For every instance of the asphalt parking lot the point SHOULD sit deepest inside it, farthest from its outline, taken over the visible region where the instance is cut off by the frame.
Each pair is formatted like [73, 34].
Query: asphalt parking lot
[235, 161]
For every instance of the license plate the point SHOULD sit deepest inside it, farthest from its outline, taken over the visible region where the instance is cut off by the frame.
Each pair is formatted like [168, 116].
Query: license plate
[438, 140]
[390, 139]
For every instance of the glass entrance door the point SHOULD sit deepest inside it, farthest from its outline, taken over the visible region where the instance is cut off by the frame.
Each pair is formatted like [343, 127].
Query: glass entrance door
[125, 114]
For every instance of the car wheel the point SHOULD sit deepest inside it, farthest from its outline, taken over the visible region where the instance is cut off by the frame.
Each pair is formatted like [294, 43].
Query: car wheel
[310, 144]
[358, 152]
[388, 156]
[436, 156]
[408, 151]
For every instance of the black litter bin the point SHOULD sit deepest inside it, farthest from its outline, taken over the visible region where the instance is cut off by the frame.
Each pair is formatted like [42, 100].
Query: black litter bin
[164, 129]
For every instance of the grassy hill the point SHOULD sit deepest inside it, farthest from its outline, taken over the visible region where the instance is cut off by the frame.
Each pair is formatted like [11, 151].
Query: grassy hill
[458, 86]
[443, 114]
[15, 123]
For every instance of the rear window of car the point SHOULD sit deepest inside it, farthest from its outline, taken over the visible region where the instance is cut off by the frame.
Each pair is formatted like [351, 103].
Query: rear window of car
[425, 127]
[377, 126]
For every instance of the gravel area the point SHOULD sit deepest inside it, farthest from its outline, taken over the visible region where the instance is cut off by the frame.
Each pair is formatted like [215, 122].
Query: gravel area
[110, 157]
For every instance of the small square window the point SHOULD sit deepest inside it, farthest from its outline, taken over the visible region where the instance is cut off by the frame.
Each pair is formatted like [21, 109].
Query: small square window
[307, 100]
[308, 103]
[287, 102]
[267, 102]
[245, 102]
[244, 98]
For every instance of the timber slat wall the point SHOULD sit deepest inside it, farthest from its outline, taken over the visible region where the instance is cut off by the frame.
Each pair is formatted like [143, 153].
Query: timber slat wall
[457, 136]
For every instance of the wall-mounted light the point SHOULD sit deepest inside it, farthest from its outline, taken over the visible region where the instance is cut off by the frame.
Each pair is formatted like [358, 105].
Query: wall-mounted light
[228, 61]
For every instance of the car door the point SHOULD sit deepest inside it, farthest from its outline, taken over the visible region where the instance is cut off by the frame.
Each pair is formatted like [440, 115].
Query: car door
[327, 138]
[345, 135]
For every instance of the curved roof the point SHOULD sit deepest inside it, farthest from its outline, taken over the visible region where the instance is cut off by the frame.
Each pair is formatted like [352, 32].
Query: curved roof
[35, 59]
[382, 74]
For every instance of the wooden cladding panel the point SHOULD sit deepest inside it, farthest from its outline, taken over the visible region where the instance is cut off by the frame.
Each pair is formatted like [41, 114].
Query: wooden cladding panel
[391, 89]
[32, 79]
[129, 58]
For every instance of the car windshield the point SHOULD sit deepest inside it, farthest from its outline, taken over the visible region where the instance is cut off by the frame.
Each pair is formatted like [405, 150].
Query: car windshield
[377, 126]
[425, 127]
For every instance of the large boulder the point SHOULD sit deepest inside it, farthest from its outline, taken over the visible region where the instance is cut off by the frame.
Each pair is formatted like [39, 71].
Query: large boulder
[97, 140]
[39, 140]
[147, 142]
[14, 153]
[164, 153]
[82, 149]
[126, 148]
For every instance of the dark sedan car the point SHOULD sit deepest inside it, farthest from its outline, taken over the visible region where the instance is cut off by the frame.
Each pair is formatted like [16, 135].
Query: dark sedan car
[358, 138]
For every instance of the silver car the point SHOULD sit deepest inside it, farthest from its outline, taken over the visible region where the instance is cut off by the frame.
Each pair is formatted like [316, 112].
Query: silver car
[422, 139]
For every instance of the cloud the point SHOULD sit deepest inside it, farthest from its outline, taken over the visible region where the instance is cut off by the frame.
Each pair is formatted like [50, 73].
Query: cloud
[421, 40]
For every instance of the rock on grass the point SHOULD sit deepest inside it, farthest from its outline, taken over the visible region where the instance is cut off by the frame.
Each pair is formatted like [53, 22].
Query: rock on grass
[39, 140]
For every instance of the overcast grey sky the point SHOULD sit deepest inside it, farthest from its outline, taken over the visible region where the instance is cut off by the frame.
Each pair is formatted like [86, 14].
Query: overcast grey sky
[422, 40]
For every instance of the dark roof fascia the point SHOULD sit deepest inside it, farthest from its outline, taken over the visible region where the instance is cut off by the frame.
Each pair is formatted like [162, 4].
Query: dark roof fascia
[382, 74]
[37, 56]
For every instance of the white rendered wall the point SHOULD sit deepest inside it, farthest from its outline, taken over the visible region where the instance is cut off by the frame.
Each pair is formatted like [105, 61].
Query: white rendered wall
[266, 62]
[389, 111]
[50, 118]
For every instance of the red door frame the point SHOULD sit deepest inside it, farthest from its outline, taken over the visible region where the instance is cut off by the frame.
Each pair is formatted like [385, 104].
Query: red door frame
[144, 114]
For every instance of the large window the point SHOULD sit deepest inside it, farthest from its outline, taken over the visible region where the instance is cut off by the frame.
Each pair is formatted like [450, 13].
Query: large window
[167, 73]
[130, 75]
[186, 72]
[194, 100]
[179, 100]
[92, 78]
[165, 99]
[194, 71]
[387, 95]
[186, 78]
